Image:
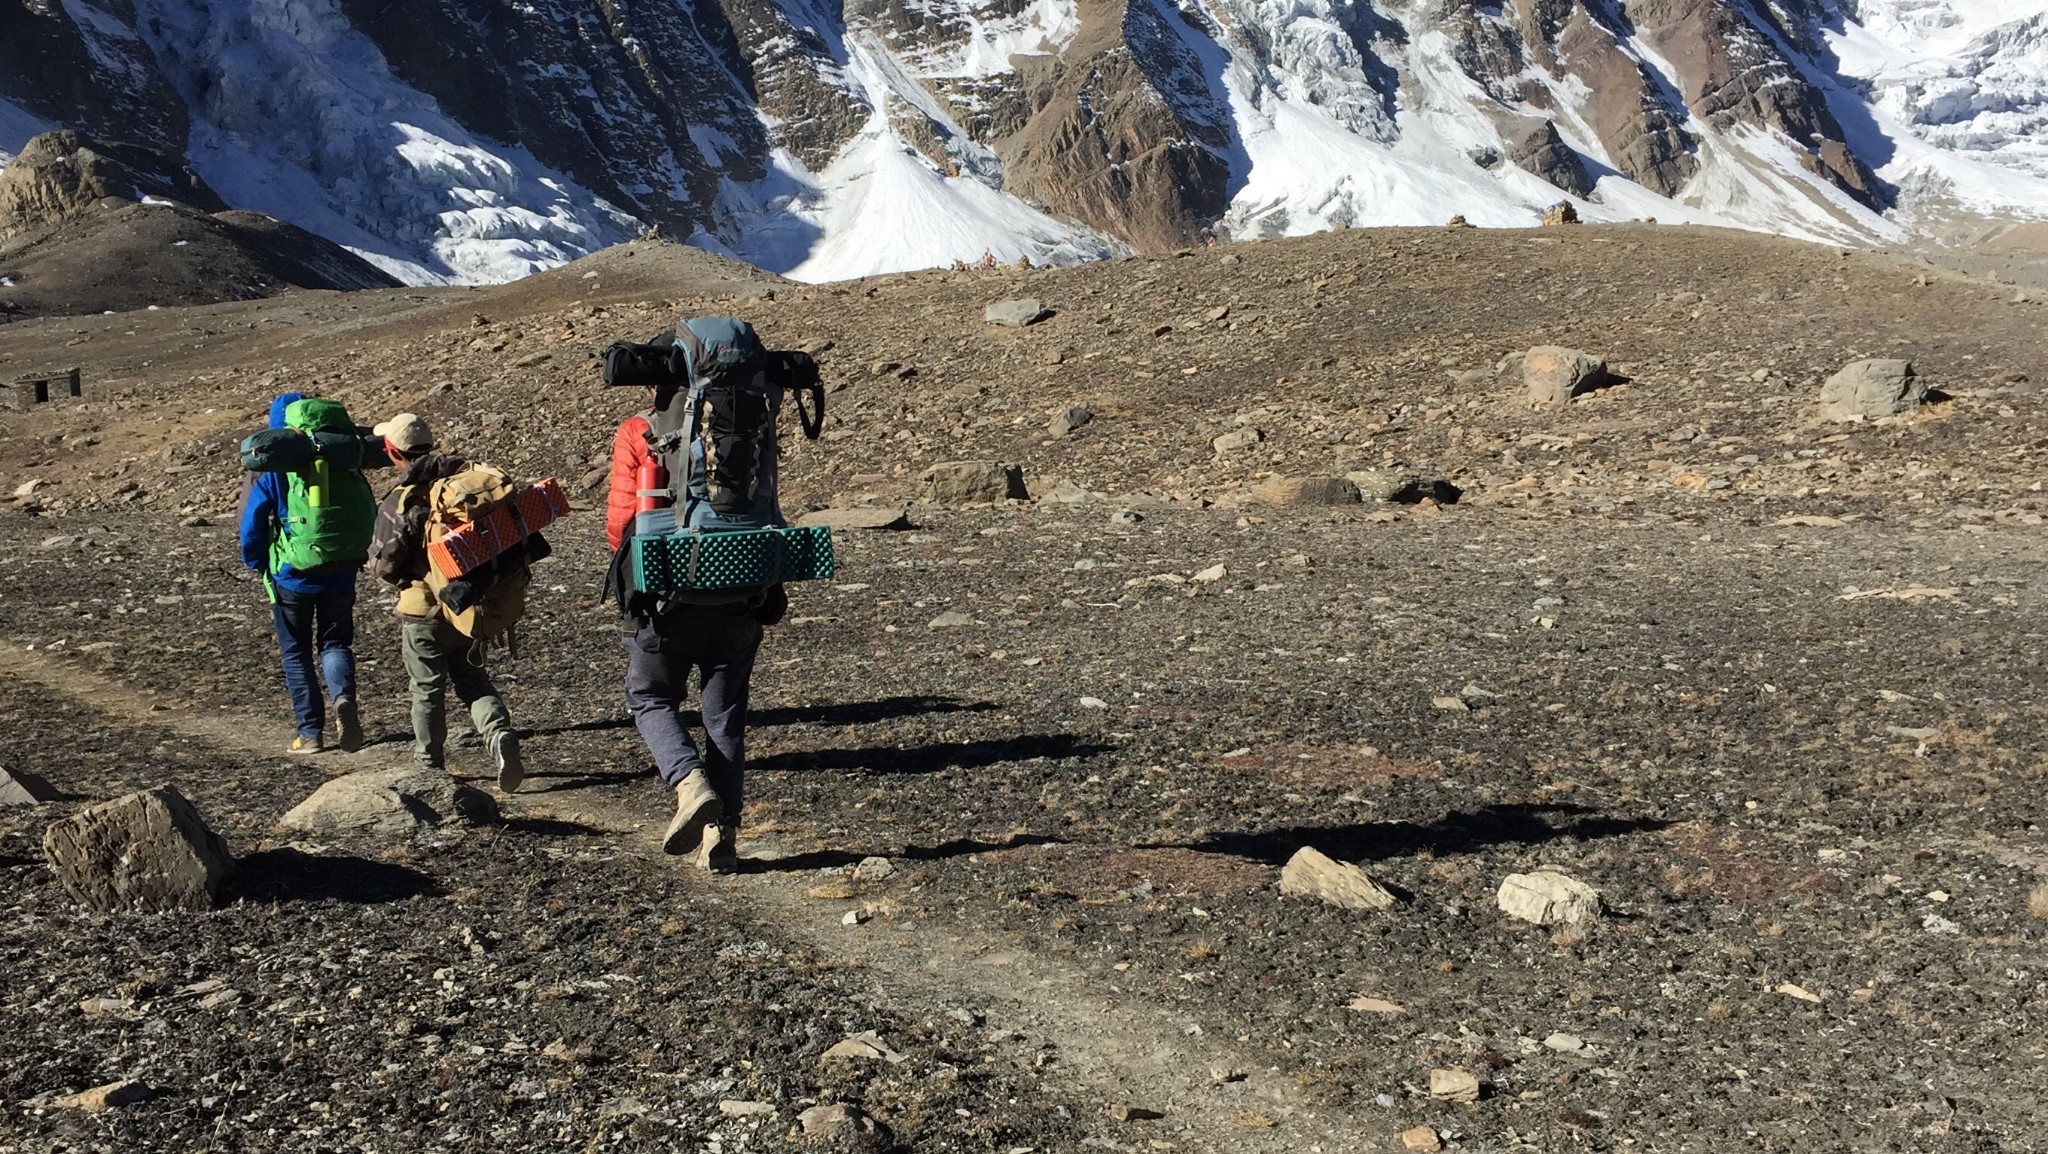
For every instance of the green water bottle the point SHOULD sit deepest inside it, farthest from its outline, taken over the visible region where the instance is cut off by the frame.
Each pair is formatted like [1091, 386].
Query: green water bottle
[316, 485]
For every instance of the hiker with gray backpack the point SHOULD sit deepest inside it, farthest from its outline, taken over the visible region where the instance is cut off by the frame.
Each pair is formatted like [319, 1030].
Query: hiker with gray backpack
[701, 553]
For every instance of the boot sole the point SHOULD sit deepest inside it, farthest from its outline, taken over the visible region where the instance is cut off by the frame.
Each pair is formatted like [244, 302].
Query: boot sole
[511, 770]
[686, 832]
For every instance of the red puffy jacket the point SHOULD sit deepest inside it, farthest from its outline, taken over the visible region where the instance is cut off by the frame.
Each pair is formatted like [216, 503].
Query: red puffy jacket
[630, 450]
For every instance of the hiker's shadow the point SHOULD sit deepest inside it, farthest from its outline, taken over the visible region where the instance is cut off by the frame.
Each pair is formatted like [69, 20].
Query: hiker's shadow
[891, 760]
[835, 858]
[290, 875]
[831, 713]
[1462, 832]
[563, 783]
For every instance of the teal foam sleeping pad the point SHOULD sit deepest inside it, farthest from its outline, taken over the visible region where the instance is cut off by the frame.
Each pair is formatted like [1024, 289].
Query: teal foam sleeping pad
[736, 559]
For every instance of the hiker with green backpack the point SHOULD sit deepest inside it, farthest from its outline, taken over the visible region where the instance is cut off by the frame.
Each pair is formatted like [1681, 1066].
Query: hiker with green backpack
[308, 532]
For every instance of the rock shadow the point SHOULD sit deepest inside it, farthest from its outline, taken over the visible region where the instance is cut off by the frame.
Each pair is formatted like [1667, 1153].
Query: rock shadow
[276, 876]
[891, 760]
[1454, 833]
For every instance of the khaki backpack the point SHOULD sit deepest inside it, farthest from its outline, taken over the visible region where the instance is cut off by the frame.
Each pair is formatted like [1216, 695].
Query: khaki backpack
[458, 500]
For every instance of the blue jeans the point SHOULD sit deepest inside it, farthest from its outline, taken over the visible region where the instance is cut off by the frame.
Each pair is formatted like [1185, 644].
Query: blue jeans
[718, 643]
[304, 620]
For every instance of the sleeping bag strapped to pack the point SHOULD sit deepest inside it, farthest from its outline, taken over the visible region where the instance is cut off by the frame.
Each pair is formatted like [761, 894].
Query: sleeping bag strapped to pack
[329, 512]
[716, 534]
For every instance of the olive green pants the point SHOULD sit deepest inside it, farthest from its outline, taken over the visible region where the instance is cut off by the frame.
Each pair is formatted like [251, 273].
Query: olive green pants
[436, 658]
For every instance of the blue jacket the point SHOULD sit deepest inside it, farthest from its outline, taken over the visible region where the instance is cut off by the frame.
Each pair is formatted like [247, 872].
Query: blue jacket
[263, 518]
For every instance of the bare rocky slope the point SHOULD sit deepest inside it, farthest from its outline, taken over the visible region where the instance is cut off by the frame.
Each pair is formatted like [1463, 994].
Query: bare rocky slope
[1763, 680]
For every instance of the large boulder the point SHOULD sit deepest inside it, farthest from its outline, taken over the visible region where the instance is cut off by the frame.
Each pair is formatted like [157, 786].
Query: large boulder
[1554, 375]
[395, 803]
[1015, 314]
[1306, 491]
[1868, 390]
[973, 483]
[146, 851]
[1548, 898]
[19, 788]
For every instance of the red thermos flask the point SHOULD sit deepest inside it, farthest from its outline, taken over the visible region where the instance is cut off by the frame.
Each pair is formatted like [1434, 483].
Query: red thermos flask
[653, 488]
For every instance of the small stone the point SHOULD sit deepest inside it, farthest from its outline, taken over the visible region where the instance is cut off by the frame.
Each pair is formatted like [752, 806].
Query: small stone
[952, 620]
[394, 803]
[1126, 517]
[111, 1096]
[1311, 873]
[29, 488]
[973, 483]
[146, 851]
[1069, 492]
[1793, 990]
[1454, 1085]
[850, 520]
[21, 788]
[1210, 576]
[1219, 313]
[107, 1007]
[1365, 1005]
[821, 1123]
[221, 1000]
[1306, 491]
[1565, 1043]
[1871, 389]
[1129, 1113]
[1236, 440]
[194, 523]
[1070, 420]
[1561, 213]
[866, 1046]
[873, 869]
[852, 918]
[1548, 898]
[1421, 1138]
[1553, 374]
[531, 359]
[1094, 703]
[737, 1108]
[1448, 702]
[1015, 314]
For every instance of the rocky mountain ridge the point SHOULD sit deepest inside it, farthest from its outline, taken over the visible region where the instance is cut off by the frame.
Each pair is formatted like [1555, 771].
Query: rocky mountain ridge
[453, 140]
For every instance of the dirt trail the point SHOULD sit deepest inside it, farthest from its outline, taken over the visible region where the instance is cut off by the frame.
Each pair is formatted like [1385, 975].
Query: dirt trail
[1114, 1050]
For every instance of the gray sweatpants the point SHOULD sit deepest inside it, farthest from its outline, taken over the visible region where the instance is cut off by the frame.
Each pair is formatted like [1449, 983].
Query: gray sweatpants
[718, 642]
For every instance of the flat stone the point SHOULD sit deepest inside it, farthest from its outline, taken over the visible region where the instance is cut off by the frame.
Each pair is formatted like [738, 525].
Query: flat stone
[21, 788]
[1128, 1113]
[952, 620]
[881, 517]
[1871, 389]
[111, 1096]
[1454, 1085]
[1237, 440]
[1548, 898]
[1311, 873]
[835, 1120]
[146, 851]
[736, 1108]
[395, 803]
[1306, 491]
[1015, 314]
[1421, 1138]
[1070, 420]
[866, 1046]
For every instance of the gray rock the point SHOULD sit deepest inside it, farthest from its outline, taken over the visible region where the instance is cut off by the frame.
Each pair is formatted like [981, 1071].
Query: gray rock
[873, 869]
[19, 788]
[111, 1096]
[1070, 419]
[146, 851]
[1071, 492]
[849, 519]
[952, 620]
[1126, 517]
[1311, 873]
[838, 1122]
[1553, 375]
[393, 803]
[1306, 491]
[1015, 314]
[974, 483]
[1236, 440]
[1868, 390]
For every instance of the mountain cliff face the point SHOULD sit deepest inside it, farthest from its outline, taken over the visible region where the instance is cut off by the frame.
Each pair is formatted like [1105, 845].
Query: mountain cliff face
[473, 140]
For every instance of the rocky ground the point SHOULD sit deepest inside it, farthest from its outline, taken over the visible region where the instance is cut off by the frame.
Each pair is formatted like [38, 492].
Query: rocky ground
[1769, 684]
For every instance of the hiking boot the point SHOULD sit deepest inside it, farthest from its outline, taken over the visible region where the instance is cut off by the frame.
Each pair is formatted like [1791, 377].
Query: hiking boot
[720, 852]
[304, 744]
[505, 755]
[697, 806]
[350, 723]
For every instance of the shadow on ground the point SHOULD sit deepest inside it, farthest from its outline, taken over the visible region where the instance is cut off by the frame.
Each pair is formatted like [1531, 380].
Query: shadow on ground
[833, 858]
[891, 759]
[290, 875]
[1467, 832]
[836, 713]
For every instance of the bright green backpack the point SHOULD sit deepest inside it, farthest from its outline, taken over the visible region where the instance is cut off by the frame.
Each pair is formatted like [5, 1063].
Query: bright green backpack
[329, 512]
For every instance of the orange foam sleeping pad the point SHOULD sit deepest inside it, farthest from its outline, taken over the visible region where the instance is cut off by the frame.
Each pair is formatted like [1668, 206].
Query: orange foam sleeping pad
[468, 548]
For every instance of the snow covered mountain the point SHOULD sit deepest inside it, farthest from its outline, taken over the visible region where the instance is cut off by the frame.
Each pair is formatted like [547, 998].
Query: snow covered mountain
[480, 140]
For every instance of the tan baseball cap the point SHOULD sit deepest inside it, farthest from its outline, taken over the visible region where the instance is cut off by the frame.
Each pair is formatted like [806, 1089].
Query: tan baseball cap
[406, 432]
